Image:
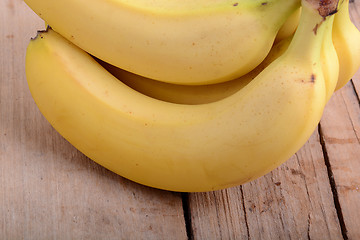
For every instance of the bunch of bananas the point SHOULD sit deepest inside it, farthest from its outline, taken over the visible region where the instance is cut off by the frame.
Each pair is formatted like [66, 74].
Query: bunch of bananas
[189, 95]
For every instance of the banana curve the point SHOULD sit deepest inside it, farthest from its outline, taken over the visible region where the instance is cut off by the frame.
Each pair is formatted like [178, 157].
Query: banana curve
[199, 94]
[289, 27]
[191, 47]
[330, 60]
[346, 38]
[182, 147]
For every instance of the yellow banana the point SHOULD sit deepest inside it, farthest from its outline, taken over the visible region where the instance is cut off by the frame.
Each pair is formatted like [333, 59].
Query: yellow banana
[330, 60]
[346, 39]
[185, 42]
[199, 94]
[289, 27]
[184, 94]
[183, 147]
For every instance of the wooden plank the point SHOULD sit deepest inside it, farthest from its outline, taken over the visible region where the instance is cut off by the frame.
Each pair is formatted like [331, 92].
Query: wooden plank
[48, 190]
[341, 132]
[292, 202]
[218, 215]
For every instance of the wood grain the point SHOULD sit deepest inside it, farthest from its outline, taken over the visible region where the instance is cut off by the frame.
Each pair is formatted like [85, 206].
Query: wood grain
[49, 190]
[340, 127]
[292, 202]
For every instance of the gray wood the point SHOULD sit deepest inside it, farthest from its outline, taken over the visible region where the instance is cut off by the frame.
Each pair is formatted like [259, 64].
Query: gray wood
[341, 131]
[295, 200]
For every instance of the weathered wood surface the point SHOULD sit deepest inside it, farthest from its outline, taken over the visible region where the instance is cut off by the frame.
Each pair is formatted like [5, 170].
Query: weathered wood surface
[48, 190]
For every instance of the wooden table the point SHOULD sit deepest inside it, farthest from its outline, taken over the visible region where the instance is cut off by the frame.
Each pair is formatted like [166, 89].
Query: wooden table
[48, 190]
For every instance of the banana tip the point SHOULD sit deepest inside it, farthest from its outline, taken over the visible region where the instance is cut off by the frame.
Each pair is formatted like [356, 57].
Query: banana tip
[40, 32]
[328, 7]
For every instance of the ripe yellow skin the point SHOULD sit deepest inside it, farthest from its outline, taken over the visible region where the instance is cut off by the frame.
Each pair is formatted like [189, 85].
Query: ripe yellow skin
[201, 94]
[182, 147]
[346, 39]
[289, 27]
[183, 42]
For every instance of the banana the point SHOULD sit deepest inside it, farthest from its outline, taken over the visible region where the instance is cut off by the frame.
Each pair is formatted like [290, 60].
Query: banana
[346, 39]
[200, 94]
[183, 42]
[184, 147]
[289, 27]
[175, 93]
[330, 61]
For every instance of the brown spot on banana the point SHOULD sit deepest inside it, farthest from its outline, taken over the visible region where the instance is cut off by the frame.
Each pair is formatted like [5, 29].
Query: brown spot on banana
[313, 78]
[328, 7]
[316, 28]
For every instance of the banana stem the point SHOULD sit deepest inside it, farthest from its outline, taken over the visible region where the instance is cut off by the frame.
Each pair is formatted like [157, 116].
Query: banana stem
[310, 32]
[325, 7]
